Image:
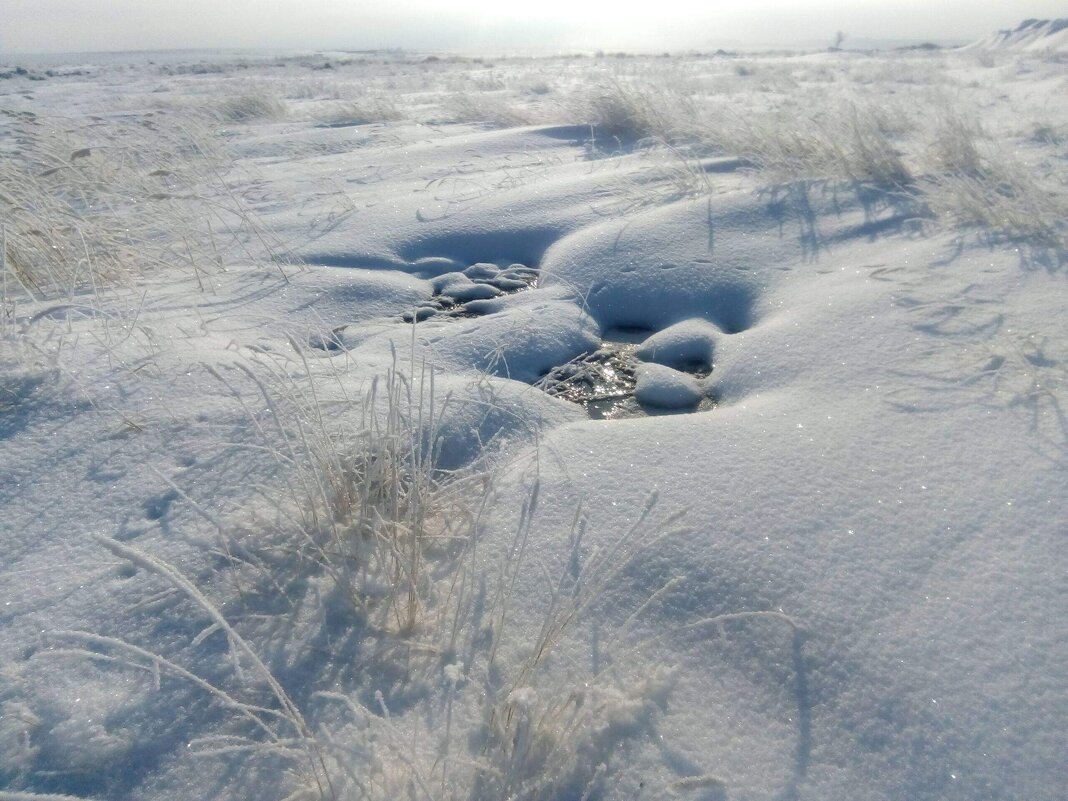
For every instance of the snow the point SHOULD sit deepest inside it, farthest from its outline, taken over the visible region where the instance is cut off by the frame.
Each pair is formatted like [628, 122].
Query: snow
[666, 388]
[689, 344]
[823, 559]
[1036, 35]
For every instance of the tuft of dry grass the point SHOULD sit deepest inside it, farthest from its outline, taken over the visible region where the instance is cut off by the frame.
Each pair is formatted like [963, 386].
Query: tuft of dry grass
[250, 107]
[847, 142]
[630, 110]
[367, 110]
[974, 183]
[484, 108]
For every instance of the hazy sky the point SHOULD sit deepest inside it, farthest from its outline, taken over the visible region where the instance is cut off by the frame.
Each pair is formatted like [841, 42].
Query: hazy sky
[82, 25]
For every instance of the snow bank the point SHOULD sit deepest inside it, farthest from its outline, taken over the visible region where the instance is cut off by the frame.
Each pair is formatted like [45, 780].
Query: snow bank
[1036, 35]
[648, 276]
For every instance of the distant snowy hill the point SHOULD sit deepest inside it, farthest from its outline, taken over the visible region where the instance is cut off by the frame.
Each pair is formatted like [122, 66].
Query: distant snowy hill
[1031, 34]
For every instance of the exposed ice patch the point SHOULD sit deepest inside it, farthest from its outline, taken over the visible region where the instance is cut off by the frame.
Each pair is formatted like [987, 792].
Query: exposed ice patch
[615, 382]
[602, 382]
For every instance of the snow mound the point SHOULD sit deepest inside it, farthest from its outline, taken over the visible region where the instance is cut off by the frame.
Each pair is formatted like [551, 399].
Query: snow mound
[666, 388]
[463, 291]
[522, 340]
[686, 346]
[1046, 35]
[646, 275]
[476, 417]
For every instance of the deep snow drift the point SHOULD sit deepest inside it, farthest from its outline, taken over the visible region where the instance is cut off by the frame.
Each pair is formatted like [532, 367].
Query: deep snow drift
[439, 428]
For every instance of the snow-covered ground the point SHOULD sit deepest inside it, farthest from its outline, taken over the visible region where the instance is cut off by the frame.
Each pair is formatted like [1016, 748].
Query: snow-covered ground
[614, 427]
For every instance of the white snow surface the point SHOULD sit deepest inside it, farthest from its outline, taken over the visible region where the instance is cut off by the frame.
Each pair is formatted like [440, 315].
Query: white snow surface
[861, 594]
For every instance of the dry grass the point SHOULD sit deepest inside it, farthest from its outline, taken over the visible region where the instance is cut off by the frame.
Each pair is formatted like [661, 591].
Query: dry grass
[631, 110]
[975, 183]
[250, 107]
[950, 170]
[87, 205]
[486, 109]
[367, 110]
